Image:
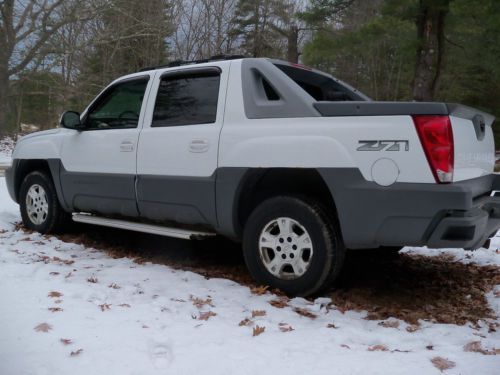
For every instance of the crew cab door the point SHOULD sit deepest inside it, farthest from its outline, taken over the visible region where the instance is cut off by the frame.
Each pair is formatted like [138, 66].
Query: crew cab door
[178, 146]
[99, 162]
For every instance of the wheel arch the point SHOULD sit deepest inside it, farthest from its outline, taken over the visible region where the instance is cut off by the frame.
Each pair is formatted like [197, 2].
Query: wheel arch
[236, 200]
[51, 167]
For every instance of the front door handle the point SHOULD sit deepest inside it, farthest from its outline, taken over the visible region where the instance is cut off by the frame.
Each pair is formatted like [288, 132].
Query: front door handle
[199, 145]
[126, 146]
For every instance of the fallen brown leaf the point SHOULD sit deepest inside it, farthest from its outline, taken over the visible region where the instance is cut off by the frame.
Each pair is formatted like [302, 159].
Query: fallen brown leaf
[124, 305]
[63, 261]
[177, 300]
[105, 306]
[285, 327]
[476, 347]
[66, 341]
[245, 322]
[54, 309]
[54, 294]
[114, 286]
[345, 346]
[412, 328]
[199, 302]
[442, 363]
[43, 327]
[257, 330]
[92, 279]
[400, 351]
[378, 348]
[140, 260]
[331, 325]
[389, 324]
[259, 290]
[76, 352]
[279, 303]
[54, 273]
[258, 313]
[345, 306]
[305, 312]
[206, 315]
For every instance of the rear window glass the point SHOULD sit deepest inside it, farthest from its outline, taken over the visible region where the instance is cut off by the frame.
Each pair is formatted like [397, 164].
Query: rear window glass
[187, 100]
[319, 86]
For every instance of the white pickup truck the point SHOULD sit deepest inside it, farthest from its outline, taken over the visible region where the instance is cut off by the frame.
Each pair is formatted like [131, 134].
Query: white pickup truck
[290, 161]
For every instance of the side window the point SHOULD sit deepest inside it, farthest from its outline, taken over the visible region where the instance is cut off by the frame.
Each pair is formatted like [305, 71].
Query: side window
[187, 100]
[119, 107]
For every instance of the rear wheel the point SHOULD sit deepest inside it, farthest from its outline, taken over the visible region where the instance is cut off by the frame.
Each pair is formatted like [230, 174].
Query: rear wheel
[293, 244]
[40, 208]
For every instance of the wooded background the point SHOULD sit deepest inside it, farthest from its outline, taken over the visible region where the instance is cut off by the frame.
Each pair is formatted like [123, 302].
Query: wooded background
[58, 54]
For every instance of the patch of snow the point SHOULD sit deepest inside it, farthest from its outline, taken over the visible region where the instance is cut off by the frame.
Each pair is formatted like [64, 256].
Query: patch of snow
[131, 318]
[6, 147]
[481, 256]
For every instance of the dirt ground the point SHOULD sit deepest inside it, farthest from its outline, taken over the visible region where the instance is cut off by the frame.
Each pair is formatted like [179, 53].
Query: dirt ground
[408, 287]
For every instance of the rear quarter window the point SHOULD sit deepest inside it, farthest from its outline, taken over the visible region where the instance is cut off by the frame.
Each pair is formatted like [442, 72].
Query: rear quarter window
[320, 86]
[187, 100]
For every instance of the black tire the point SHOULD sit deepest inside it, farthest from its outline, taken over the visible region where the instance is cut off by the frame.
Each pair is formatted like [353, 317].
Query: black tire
[328, 252]
[55, 218]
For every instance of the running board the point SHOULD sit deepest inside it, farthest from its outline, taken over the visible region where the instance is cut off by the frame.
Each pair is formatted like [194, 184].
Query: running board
[141, 227]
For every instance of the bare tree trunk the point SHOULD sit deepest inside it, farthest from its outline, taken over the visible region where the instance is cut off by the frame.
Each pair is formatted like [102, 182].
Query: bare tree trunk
[4, 104]
[430, 33]
[293, 44]
[19, 108]
[4, 92]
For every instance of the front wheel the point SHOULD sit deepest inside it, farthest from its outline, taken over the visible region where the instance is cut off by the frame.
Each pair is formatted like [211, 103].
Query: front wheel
[293, 244]
[40, 209]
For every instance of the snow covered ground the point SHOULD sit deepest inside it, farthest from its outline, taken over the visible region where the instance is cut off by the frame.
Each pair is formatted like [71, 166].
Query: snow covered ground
[67, 309]
[6, 147]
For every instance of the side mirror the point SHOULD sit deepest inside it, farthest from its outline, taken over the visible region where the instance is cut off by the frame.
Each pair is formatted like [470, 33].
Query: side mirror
[71, 120]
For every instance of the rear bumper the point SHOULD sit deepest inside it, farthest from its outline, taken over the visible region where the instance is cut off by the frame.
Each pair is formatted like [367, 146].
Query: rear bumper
[457, 215]
[467, 229]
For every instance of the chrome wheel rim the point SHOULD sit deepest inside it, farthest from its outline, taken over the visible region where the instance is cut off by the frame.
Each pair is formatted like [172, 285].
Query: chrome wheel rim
[285, 248]
[37, 205]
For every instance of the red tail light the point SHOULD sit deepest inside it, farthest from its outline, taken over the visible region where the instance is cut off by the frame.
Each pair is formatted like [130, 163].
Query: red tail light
[436, 136]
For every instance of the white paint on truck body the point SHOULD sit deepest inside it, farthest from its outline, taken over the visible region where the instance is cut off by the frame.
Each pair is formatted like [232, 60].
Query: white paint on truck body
[236, 141]
[473, 158]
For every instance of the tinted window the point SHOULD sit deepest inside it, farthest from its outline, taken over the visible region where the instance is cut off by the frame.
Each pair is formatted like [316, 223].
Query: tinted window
[118, 107]
[319, 86]
[187, 100]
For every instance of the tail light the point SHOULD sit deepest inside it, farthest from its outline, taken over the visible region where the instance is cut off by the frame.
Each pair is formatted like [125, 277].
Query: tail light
[436, 136]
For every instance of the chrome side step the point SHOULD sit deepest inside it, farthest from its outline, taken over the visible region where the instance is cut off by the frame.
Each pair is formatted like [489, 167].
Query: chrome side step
[141, 227]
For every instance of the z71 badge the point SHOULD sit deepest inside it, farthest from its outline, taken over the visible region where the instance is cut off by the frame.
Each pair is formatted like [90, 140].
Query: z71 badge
[403, 145]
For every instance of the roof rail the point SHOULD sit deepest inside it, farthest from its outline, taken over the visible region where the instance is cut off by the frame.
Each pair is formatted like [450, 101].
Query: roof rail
[191, 62]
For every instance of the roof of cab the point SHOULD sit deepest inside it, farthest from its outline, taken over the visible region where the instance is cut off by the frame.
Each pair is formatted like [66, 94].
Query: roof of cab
[194, 62]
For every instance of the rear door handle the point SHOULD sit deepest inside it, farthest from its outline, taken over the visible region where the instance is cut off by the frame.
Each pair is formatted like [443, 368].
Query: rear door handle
[126, 146]
[199, 145]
